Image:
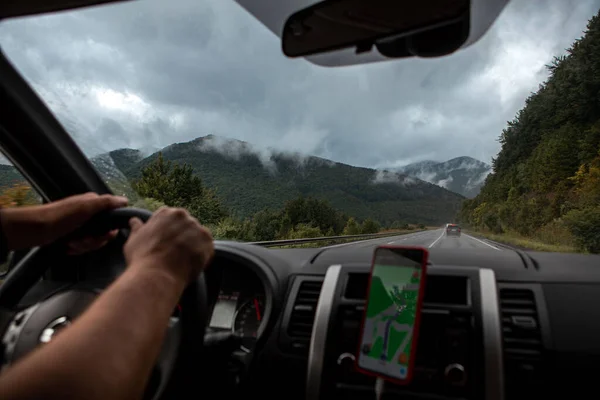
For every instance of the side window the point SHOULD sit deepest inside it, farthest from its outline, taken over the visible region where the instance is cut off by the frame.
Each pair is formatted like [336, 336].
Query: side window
[15, 191]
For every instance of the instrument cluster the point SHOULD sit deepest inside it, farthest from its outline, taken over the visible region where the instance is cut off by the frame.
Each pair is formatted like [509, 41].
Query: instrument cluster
[240, 304]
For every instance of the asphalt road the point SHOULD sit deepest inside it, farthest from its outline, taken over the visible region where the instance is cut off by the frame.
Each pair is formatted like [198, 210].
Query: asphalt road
[429, 239]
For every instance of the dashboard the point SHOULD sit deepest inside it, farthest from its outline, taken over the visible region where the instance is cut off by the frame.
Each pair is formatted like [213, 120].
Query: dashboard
[495, 325]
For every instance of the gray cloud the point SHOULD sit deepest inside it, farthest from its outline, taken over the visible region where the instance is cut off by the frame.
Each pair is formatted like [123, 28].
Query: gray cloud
[235, 149]
[385, 176]
[150, 73]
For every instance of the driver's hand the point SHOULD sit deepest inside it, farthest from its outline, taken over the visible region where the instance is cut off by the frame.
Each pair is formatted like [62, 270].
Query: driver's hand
[38, 225]
[171, 241]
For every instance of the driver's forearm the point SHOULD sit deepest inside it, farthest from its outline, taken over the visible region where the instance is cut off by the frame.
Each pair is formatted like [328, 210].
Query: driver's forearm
[24, 226]
[109, 351]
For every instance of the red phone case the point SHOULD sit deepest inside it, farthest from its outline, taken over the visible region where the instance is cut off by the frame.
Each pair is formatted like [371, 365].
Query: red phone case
[415, 338]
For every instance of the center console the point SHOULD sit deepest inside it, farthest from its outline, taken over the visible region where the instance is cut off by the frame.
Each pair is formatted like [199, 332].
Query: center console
[459, 347]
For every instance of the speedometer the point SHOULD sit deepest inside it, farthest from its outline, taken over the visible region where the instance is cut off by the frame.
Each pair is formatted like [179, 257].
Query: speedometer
[248, 319]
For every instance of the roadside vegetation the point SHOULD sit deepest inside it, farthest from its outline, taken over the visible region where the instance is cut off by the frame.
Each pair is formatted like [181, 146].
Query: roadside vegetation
[348, 239]
[165, 182]
[513, 239]
[544, 191]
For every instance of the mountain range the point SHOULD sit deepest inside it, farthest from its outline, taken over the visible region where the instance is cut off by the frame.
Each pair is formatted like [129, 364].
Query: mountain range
[463, 175]
[249, 180]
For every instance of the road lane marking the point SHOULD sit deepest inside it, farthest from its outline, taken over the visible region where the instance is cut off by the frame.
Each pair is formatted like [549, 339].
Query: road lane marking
[356, 242]
[436, 240]
[481, 241]
[410, 236]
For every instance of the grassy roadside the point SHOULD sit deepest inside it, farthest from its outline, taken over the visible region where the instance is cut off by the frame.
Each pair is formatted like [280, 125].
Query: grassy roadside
[525, 243]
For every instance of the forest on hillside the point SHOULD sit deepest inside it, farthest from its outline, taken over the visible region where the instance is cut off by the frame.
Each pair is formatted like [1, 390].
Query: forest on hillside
[163, 182]
[247, 182]
[546, 178]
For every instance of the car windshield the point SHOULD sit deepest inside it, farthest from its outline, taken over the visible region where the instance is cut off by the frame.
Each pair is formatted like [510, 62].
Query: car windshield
[193, 104]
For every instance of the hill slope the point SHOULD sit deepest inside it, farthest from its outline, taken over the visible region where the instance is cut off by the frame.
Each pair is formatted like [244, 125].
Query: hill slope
[463, 175]
[546, 178]
[249, 181]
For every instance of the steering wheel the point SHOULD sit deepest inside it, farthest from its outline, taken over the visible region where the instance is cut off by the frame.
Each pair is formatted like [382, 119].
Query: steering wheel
[25, 329]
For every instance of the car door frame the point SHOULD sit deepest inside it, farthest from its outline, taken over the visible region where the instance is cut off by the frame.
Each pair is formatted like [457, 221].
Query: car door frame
[38, 146]
[36, 143]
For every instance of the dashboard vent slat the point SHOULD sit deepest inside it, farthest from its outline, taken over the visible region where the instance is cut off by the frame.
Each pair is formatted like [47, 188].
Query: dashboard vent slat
[303, 315]
[522, 339]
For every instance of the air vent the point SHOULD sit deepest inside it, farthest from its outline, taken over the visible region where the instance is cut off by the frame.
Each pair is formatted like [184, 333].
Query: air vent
[303, 315]
[523, 347]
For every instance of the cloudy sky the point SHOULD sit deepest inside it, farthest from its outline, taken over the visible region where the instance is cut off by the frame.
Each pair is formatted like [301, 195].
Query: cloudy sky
[150, 73]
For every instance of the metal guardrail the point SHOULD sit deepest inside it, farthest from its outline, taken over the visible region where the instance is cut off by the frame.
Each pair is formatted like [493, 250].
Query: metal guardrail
[288, 242]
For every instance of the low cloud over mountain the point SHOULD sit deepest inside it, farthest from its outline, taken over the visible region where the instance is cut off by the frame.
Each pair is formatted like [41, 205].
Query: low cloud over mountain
[249, 179]
[463, 175]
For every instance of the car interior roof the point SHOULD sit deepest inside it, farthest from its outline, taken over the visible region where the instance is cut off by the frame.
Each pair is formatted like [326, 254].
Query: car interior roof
[21, 8]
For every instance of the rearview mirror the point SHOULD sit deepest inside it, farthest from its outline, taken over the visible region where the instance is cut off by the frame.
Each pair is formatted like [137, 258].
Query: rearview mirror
[396, 28]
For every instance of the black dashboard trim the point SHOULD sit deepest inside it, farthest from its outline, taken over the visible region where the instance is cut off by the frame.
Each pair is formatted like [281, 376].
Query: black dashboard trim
[492, 335]
[540, 303]
[316, 352]
[547, 363]
[481, 292]
[285, 339]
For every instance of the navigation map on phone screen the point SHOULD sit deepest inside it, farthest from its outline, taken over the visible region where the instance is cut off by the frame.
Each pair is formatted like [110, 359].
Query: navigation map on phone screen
[392, 313]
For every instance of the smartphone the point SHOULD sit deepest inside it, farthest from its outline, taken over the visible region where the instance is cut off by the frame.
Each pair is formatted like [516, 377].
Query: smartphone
[390, 324]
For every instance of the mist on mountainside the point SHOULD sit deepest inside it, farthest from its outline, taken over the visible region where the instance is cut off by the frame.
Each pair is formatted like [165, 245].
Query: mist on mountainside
[463, 175]
[249, 181]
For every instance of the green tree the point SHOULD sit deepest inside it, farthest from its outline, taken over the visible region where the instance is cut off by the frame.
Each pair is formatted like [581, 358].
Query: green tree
[148, 204]
[302, 231]
[585, 226]
[548, 165]
[232, 229]
[352, 227]
[207, 208]
[171, 183]
[176, 186]
[315, 212]
[267, 225]
[399, 225]
[369, 226]
[19, 194]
